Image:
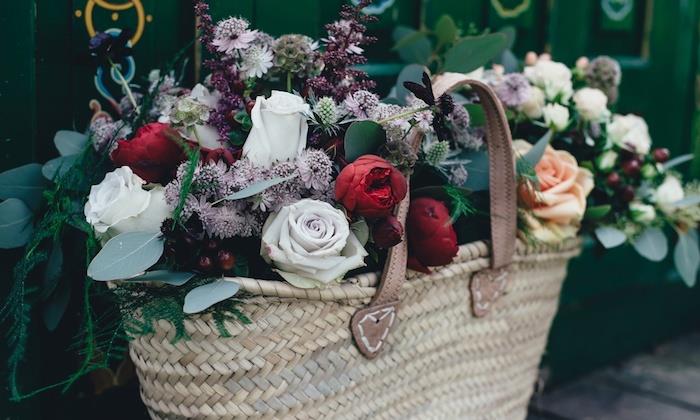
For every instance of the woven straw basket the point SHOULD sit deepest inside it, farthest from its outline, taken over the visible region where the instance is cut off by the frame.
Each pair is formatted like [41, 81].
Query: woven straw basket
[462, 342]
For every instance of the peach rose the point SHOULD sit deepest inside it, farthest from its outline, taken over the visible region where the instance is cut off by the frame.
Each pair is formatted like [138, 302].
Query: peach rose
[563, 186]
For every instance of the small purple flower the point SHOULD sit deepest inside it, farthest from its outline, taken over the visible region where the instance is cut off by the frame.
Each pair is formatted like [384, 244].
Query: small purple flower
[513, 89]
[107, 49]
[232, 34]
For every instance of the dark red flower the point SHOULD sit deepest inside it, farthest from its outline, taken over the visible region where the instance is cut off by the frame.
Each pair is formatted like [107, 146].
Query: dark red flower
[432, 240]
[387, 232]
[152, 153]
[370, 186]
[215, 155]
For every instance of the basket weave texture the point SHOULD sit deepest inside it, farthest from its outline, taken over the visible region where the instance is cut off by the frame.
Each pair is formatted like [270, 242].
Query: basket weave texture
[297, 358]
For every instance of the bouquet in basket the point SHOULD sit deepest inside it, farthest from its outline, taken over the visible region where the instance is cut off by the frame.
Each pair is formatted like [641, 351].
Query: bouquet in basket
[285, 164]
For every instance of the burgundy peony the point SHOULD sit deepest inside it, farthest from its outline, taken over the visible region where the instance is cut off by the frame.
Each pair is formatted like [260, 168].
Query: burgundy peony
[370, 186]
[152, 153]
[432, 240]
[387, 232]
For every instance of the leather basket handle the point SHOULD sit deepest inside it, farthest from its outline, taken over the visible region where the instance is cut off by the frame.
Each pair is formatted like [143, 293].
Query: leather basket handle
[370, 325]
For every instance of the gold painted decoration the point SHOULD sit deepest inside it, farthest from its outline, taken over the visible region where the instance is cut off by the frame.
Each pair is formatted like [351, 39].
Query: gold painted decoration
[115, 8]
[510, 12]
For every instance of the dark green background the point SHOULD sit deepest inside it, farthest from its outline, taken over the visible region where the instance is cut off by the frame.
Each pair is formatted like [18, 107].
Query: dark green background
[611, 306]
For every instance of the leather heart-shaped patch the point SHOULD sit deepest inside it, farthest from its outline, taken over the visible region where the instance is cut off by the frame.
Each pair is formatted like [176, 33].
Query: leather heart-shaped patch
[486, 287]
[370, 327]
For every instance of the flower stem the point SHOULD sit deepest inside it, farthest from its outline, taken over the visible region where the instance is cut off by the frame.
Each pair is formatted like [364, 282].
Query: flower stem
[403, 114]
[289, 81]
[126, 87]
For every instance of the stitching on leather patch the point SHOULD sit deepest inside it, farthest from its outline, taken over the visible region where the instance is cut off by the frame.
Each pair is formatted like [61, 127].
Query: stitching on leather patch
[375, 318]
[486, 287]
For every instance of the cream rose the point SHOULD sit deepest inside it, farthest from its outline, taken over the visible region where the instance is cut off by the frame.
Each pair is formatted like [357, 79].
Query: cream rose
[534, 104]
[630, 132]
[553, 78]
[119, 204]
[668, 193]
[591, 104]
[279, 129]
[563, 186]
[310, 244]
[556, 116]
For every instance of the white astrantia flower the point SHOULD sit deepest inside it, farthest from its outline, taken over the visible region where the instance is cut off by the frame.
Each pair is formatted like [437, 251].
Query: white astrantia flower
[556, 116]
[310, 244]
[279, 129]
[257, 61]
[629, 132]
[591, 104]
[120, 204]
[553, 78]
[534, 104]
[232, 34]
[668, 193]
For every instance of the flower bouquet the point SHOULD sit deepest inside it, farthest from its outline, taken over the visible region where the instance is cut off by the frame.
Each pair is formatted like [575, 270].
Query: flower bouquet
[240, 224]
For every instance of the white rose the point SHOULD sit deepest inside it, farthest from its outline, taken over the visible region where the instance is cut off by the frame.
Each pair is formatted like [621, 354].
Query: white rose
[630, 132]
[606, 161]
[668, 193]
[591, 104]
[534, 104]
[119, 204]
[311, 244]
[642, 213]
[553, 78]
[279, 129]
[556, 116]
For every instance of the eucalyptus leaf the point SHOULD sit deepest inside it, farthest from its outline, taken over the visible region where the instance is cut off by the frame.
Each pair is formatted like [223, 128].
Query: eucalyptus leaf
[446, 29]
[56, 168]
[56, 307]
[363, 137]
[15, 223]
[126, 255]
[678, 160]
[686, 256]
[24, 182]
[610, 237]
[410, 73]
[54, 267]
[412, 46]
[651, 244]
[203, 297]
[257, 188]
[361, 231]
[597, 212]
[173, 278]
[69, 142]
[534, 155]
[688, 201]
[473, 52]
[478, 170]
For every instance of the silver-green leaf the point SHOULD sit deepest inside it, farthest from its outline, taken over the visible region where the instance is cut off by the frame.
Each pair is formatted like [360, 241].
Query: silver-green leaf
[651, 244]
[257, 188]
[534, 155]
[56, 168]
[126, 255]
[69, 142]
[686, 256]
[24, 182]
[15, 223]
[173, 278]
[202, 297]
[610, 237]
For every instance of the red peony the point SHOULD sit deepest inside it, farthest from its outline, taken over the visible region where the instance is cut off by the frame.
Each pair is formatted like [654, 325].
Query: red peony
[432, 240]
[151, 154]
[370, 186]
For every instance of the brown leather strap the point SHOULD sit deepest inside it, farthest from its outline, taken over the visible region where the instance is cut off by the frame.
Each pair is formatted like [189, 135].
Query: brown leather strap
[370, 326]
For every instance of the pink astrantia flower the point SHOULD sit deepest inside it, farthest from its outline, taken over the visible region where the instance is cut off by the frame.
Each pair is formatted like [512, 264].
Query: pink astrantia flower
[233, 34]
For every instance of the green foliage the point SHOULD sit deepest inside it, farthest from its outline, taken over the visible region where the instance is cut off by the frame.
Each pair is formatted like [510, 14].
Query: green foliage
[363, 137]
[193, 161]
[473, 52]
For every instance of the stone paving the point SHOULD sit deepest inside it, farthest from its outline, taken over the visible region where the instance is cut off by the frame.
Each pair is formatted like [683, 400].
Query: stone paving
[661, 385]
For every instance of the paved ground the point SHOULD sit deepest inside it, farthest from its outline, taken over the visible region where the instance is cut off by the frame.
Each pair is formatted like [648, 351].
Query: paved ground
[662, 385]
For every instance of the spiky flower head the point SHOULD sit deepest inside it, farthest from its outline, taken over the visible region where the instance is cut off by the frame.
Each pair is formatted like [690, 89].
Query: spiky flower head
[296, 54]
[232, 34]
[189, 112]
[513, 89]
[437, 152]
[604, 73]
[327, 111]
[361, 103]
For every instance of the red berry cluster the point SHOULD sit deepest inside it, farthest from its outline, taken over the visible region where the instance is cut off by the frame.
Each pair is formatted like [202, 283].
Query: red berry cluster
[624, 181]
[194, 251]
